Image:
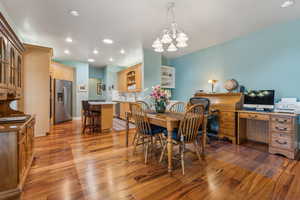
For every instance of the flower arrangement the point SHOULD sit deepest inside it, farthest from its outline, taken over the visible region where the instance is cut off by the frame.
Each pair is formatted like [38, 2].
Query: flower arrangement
[160, 98]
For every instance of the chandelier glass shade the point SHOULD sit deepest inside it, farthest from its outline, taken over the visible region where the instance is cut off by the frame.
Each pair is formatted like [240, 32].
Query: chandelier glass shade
[172, 38]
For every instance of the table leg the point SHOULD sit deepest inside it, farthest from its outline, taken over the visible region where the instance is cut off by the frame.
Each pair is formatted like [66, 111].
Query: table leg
[127, 129]
[170, 147]
[204, 134]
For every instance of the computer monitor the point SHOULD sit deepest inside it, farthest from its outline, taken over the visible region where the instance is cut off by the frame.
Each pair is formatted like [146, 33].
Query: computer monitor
[259, 99]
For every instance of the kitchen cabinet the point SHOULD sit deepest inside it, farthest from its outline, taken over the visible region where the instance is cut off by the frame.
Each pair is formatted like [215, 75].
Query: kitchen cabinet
[122, 84]
[130, 79]
[124, 107]
[11, 51]
[16, 155]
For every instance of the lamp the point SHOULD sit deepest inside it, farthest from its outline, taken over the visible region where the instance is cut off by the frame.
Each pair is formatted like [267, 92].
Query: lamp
[212, 82]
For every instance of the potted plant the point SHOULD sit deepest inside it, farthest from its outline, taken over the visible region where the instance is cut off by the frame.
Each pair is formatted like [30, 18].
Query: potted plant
[160, 98]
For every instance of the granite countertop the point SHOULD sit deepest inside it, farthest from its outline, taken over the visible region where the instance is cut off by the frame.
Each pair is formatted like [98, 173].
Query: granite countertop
[101, 103]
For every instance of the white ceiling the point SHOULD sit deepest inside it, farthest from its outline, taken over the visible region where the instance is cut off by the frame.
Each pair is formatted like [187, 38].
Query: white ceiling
[136, 23]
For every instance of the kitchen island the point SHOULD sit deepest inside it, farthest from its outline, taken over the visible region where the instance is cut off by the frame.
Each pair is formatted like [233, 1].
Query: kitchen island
[106, 108]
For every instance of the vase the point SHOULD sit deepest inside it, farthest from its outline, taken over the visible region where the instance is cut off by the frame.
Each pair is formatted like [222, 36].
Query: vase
[160, 106]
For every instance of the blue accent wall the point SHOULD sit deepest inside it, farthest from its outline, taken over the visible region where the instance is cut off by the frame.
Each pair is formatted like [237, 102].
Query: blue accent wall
[152, 64]
[267, 59]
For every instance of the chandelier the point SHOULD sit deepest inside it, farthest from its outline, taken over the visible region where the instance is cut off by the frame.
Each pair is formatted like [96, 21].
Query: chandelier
[171, 38]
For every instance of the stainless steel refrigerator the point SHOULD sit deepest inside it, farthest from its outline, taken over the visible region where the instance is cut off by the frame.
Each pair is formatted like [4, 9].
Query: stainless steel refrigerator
[62, 101]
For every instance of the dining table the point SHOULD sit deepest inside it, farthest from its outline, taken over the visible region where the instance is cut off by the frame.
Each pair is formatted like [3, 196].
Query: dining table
[170, 121]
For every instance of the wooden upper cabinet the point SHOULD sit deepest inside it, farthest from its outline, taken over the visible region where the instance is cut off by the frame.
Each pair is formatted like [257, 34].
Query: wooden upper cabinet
[130, 79]
[11, 50]
[122, 84]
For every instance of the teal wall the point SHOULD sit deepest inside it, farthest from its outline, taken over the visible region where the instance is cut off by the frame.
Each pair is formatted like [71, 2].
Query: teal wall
[267, 59]
[151, 68]
[81, 77]
[96, 74]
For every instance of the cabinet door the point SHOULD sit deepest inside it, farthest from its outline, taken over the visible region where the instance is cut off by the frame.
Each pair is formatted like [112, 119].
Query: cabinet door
[22, 156]
[30, 140]
[18, 75]
[138, 76]
[122, 83]
[12, 67]
[3, 69]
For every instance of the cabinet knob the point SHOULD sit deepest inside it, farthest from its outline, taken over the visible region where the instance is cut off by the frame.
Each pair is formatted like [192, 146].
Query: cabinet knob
[281, 129]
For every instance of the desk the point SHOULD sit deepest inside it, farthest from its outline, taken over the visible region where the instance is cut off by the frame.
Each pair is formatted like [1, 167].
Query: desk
[278, 130]
[170, 121]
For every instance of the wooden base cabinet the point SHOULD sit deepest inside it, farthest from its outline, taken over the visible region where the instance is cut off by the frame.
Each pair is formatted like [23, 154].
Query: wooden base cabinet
[16, 156]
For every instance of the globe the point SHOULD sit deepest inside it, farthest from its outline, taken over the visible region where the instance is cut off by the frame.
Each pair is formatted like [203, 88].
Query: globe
[231, 85]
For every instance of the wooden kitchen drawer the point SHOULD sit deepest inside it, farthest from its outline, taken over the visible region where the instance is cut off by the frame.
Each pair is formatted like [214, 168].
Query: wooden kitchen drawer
[282, 142]
[254, 116]
[282, 119]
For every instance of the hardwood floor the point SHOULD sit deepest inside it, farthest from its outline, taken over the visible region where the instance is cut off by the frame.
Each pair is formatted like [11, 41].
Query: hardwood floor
[70, 166]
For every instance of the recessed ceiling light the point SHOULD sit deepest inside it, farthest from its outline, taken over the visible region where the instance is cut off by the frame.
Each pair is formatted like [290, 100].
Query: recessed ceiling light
[74, 13]
[91, 60]
[108, 41]
[95, 51]
[111, 59]
[66, 51]
[287, 3]
[122, 51]
[68, 39]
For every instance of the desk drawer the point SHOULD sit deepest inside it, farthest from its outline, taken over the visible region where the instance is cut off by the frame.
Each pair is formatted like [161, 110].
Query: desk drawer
[282, 142]
[227, 131]
[282, 120]
[284, 128]
[227, 124]
[227, 116]
[254, 116]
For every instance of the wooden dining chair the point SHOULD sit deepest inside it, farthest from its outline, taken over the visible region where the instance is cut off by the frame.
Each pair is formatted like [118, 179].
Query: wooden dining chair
[177, 107]
[187, 132]
[145, 106]
[147, 134]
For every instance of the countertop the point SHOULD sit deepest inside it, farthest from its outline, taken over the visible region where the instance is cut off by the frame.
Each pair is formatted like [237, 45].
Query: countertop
[102, 103]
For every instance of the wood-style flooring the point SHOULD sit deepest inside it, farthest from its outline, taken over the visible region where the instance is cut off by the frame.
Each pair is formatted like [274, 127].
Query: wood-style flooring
[71, 166]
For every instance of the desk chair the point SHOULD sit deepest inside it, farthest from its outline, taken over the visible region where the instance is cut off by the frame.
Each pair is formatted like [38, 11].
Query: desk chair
[147, 134]
[187, 132]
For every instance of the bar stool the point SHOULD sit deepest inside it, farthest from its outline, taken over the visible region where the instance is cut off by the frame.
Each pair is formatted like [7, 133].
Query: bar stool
[90, 117]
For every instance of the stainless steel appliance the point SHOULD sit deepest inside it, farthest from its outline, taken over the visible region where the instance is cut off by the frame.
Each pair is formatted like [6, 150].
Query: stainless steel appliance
[63, 101]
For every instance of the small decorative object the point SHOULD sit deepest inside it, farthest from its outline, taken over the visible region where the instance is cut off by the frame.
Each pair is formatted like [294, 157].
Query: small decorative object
[231, 85]
[82, 88]
[99, 88]
[172, 38]
[160, 98]
[212, 82]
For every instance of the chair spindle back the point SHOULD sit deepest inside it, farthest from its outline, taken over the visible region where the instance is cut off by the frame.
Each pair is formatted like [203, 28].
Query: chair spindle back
[190, 124]
[178, 107]
[140, 118]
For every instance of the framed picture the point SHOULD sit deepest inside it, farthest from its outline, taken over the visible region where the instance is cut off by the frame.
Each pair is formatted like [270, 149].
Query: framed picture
[99, 88]
[82, 88]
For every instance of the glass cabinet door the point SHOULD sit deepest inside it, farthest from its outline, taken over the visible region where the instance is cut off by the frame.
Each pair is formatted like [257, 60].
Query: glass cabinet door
[3, 65]
[12, 68]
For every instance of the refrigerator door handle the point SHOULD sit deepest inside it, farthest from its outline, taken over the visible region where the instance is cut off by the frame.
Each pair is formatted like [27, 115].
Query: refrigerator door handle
[65, 95]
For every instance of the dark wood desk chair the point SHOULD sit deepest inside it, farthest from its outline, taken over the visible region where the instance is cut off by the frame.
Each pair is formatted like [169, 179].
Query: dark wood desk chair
[177, 107]
[90, 117]
[187, 132]
[147, 134]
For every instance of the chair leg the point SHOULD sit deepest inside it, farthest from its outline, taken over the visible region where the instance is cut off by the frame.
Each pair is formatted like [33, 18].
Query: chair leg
[146, 153]
[135, 143]
[182, 157]
[84, 125]
[163, 152]
[197, 150]
[134, 137]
